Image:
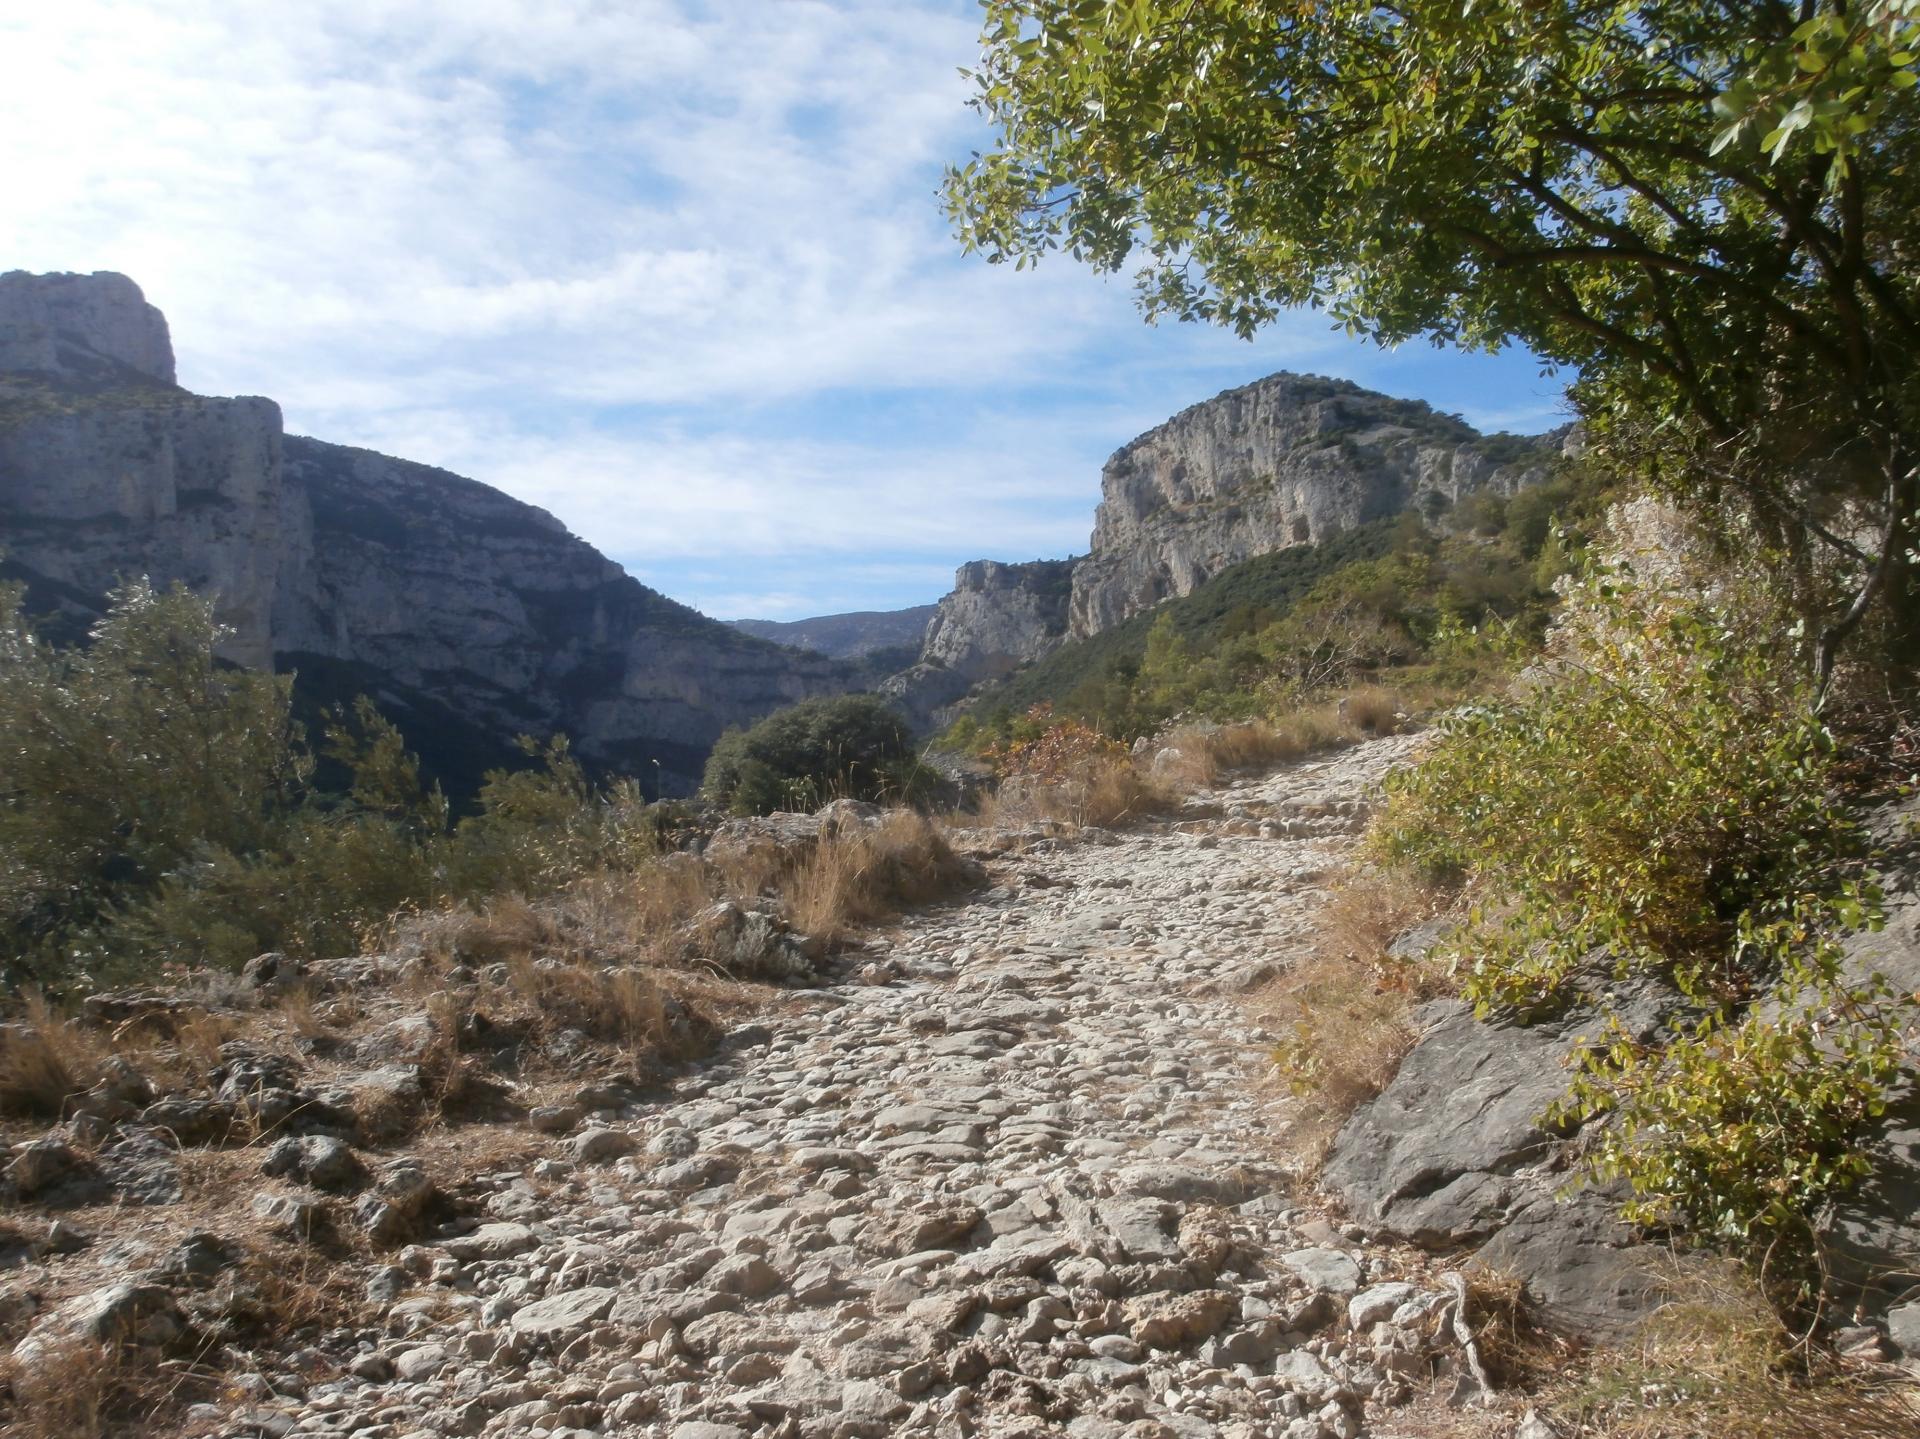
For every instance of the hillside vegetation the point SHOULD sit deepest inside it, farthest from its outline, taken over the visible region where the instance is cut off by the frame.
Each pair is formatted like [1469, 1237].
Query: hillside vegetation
[1428, 608]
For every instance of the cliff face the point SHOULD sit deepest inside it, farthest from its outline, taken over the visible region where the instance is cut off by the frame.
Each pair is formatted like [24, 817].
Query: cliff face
[461, 608]
[1288, 460]
[999, 615]
[86, 327]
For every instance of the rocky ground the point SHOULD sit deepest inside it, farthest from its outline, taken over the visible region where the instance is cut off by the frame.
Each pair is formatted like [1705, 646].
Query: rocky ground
[1008, 1172]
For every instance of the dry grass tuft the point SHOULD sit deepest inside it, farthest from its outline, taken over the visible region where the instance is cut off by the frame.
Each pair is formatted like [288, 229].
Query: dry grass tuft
[46, 1061]
[1189, 758]
[1105, 796]
[1716, 1359]
[1121, 795]
[859, 877]
[1364, 713]
[1515, 1343]
[1371, 711]
[81, 1389]
[285, 1293]
[1345, 1010]
[629, 1007]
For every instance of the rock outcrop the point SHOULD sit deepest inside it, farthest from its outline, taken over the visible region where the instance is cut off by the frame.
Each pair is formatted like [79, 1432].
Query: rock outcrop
[471, 616]
[1452, 1157]
[1000, 615]
[89, 327]
[1288, 460]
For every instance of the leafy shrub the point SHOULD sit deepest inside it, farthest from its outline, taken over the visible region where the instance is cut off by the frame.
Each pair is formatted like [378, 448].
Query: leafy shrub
[538, 829]
[1743, 1125]
[123, 756]
[847, 746]
[1660, 791]
[1663, 796]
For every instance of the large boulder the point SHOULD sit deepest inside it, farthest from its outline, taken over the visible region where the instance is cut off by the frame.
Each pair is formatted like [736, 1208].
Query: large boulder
[1452, 1156]
[1872, 1234]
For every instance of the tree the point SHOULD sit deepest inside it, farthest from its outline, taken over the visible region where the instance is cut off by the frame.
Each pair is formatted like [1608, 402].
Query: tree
[1708, 209]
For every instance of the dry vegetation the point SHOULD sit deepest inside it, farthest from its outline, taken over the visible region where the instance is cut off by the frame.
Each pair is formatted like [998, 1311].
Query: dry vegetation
[79, 1388]
[1345, 1010]
[1069, 775]
[856, 879]
[1716, 1360]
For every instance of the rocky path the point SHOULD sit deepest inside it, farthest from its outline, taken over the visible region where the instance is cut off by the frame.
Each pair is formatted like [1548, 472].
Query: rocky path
[1012, 1178]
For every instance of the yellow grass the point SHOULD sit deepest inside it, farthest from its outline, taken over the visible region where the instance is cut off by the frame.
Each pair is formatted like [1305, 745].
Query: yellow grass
[1717, 1360]
[1344, 1011]
[47, 1062]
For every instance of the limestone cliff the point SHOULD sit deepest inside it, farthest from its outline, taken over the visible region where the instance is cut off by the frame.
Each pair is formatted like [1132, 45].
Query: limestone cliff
[999, 615]
[1288, 460]
[470, 615]
[91, 327]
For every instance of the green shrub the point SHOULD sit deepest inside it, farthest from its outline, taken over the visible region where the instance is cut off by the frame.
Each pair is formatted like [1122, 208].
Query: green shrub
[155, 809]
[122, 758]
[847, 746]
[539, 829]
[1662, 795]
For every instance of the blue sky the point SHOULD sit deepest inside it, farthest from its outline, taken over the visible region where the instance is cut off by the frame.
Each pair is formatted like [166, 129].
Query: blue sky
[675, 271]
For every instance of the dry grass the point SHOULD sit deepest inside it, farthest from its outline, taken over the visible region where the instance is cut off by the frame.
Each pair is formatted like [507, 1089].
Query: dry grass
[1345, 1010]
[1364, 713]
[1716, 1360]
[1371, 711]
[1108, 796]
[288, 1291]
[863, 876]
[628, 1007]
[80, 1389]
[1517, 1347]
[47, 1061]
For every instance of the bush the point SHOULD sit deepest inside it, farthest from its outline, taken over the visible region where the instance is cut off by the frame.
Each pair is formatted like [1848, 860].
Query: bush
[1066, 771]
[848, 746]
[125, 756]
[1663, 796]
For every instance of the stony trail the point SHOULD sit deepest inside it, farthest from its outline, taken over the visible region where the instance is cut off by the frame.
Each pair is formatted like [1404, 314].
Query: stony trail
[1011, 1177]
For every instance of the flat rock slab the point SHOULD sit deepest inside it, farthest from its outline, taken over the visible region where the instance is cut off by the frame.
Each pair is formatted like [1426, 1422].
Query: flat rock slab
[564, 1314]
[1331, 1271]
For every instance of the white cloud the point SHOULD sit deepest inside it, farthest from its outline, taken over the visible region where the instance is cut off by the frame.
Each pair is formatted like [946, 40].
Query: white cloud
[673, 269]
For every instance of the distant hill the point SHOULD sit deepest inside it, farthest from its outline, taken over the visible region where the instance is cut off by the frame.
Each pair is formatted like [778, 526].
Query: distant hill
[849, 636]
[1288, 463]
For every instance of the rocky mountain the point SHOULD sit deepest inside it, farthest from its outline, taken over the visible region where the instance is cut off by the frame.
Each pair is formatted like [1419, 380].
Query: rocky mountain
[855, 635]
[471, 616]
[1288, 460]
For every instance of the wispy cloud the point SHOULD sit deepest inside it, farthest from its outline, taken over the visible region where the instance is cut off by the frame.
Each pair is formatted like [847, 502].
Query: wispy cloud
[673, 270]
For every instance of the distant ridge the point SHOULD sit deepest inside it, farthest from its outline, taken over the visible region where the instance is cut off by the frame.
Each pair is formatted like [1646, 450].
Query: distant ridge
[850, 636]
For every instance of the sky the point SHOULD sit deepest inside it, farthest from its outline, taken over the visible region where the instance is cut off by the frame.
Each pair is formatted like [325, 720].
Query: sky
[675, 271]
